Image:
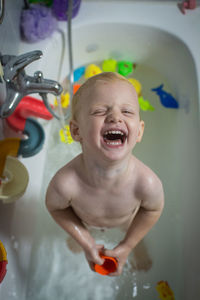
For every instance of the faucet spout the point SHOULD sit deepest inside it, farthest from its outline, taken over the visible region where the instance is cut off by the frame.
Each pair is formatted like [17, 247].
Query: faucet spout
[19, 84]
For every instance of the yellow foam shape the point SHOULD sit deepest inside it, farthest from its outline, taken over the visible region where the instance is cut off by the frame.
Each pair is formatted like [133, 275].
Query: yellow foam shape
[3, 254]
[164, 290]
[137, 85]
[145, 104]
[9, 146]
[65, 135]
[65, 98]
[109, 65]
[92, 70]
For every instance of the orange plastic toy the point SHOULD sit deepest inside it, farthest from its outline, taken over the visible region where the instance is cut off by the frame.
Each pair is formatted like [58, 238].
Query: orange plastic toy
[109, 265]
[3, 262]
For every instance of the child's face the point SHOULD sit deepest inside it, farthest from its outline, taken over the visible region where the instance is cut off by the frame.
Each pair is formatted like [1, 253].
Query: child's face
[108, 121]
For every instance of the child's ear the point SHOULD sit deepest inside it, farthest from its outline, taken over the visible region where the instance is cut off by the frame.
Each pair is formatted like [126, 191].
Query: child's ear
[74, 129]
[141, 131]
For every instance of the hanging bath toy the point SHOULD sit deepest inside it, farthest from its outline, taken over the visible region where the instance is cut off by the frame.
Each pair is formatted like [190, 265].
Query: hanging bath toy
[92, 70]
[166, 99]
[125, 68]
[164, 291]
[3, 261]
[37, 22]
[145, 104]
[109, 65]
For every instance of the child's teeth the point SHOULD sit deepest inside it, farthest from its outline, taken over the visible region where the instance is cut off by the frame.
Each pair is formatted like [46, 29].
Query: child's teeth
[114, 143]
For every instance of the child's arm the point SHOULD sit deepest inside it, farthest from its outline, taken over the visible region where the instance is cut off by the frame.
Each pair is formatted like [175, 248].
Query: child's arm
[63, 214]
[148, 214]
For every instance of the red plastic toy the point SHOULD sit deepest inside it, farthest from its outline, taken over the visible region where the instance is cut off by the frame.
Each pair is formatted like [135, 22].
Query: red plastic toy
[109, 265]
[27, 107]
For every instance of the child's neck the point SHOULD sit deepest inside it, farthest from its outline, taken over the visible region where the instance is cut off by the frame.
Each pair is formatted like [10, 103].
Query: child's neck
[106, 173]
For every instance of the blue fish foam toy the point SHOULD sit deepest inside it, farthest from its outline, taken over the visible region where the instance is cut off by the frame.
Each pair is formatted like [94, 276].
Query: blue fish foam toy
[166, 99]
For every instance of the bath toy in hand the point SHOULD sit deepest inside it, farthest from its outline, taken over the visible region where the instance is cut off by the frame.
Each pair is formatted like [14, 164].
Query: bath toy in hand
[145, 105]
[109, 265]
[164, 291]
[92, 70]
[137, 85]
[125, 68]
[3, 262]
[78, 73]
[109, 65]
[166, 99]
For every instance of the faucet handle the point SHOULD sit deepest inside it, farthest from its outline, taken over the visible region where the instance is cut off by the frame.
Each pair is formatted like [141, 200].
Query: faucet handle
[14, 64]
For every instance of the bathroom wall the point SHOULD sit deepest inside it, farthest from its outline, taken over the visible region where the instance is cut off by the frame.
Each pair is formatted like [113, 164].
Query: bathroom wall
[9, 35]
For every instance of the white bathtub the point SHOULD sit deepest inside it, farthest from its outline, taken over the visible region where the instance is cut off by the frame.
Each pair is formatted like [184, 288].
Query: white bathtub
[165, 44]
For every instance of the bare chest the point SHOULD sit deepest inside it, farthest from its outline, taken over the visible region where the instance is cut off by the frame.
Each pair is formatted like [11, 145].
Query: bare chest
[108, 207]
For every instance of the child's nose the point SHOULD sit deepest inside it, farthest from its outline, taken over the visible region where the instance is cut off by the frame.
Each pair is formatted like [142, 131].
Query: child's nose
[114, 117]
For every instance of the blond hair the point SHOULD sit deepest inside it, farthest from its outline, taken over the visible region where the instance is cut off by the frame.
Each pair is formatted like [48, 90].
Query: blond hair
[106, 76]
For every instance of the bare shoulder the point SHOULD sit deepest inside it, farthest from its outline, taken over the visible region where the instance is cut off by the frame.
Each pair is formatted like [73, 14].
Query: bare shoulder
[62, 186]
[149, 187]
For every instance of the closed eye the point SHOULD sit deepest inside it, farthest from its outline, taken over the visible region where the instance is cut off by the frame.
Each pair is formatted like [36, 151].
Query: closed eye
[99, 112]
[127, 112]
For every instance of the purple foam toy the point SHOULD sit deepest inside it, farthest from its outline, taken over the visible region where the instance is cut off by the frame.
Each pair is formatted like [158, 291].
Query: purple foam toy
[37, 23]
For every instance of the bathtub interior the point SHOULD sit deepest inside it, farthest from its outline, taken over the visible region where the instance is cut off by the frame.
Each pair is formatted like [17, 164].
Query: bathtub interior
[170, 147]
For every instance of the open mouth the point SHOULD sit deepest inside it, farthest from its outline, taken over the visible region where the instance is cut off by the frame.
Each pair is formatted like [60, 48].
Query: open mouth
[114, 137]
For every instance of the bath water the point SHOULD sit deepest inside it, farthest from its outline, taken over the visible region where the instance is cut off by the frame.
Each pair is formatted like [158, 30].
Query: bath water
[57, 273]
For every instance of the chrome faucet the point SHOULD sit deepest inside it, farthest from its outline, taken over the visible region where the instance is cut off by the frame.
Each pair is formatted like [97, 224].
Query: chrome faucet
[19, 84]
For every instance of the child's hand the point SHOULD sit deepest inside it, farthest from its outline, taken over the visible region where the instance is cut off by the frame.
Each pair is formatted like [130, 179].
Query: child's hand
[121, 254]
[93, 256]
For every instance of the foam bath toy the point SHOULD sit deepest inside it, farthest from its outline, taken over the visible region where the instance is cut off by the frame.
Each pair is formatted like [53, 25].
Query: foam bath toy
[137, 85]
[65, 98]
[76, 87]
[92, 70]
[164, 291]
[109, 65]
[78, 73]
[145, 104]
[65, 135]
[125, 68]
[14, 181]
[3, 261]
[166, 99]
[109, 265]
